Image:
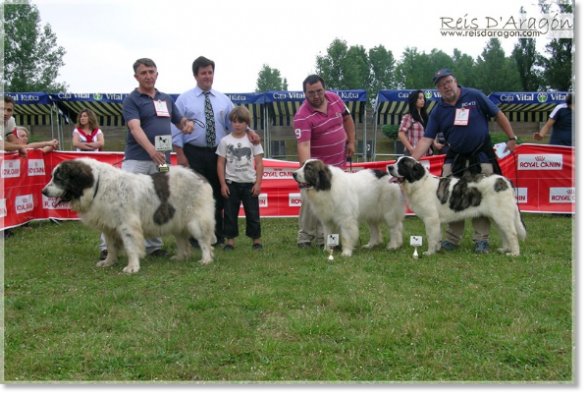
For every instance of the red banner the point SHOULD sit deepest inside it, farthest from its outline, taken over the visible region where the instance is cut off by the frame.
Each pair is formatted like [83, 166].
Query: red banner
[543, 175]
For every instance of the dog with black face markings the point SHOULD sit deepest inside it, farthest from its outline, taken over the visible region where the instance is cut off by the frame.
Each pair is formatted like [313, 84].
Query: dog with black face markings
[441, 200]
[343, 200]
[128, 207]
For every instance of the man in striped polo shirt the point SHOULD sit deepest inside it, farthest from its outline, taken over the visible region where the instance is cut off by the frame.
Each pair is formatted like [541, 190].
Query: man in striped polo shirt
[323, 125]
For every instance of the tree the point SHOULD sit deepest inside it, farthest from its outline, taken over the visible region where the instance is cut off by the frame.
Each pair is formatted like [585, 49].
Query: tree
[559, 67]
[464, 68]
[527, 61]
[382, 71]
[559, 73]
[32, 58]
[270, 80]
[344, 68]
[494, 71]
[416, 70]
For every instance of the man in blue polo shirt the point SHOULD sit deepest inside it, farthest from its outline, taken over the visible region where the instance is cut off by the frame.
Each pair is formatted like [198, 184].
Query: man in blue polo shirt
[148, 113]
[462, 116]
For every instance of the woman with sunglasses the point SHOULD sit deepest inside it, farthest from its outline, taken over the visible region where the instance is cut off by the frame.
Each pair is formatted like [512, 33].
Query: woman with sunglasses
[86, 135]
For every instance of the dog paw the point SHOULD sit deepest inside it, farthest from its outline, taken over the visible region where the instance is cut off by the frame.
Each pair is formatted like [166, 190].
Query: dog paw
[429, 253]
[392, 246]
[130, 269]
[513, 254]
[178, 257]
[104, 263]
[368, 245]
[502, 250]
[347, 253]
[206, 261]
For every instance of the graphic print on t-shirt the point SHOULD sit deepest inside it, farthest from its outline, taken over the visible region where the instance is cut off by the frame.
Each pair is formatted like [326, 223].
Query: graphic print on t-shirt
[236, 153]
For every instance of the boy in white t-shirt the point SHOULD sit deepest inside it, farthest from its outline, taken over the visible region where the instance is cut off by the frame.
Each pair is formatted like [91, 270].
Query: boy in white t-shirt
[239, 179]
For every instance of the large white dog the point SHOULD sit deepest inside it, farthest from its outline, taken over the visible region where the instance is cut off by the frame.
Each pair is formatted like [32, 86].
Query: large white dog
[440, 200]
[343, 200]
[128, 207]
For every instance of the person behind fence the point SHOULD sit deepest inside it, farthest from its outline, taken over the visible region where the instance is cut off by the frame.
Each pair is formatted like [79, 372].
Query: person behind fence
[562, 121]
[462, 116]
[87, 136]
[8, 125]
[7, 109]
[20, 136]
[324, 130]
[148, 113]
[210, 109]
[413, 123]
[240, 171]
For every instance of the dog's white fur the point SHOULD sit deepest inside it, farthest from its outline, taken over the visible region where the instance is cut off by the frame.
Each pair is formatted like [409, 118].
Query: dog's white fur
[353, 198]
[494, 194]
[123, 207]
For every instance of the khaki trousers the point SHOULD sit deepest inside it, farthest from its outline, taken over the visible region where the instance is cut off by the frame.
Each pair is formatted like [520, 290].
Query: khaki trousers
[310, 227]
[481, 225]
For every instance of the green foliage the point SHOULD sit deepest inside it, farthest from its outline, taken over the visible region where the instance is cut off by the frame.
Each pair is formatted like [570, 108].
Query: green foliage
[527, 59]
[559, 73]
[391, 131]
[32, 58]
[344, 67]
[288, 314]
[270, 80]
[494, 71]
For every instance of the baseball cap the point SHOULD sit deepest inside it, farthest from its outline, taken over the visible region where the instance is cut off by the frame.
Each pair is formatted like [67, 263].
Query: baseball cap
[441, 74]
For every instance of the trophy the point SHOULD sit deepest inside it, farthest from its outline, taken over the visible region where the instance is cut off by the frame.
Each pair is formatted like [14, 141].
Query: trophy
[416, 241]
[163, 143]
[332, 242]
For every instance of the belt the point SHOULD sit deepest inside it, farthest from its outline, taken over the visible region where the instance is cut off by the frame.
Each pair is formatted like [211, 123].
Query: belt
[204, 149]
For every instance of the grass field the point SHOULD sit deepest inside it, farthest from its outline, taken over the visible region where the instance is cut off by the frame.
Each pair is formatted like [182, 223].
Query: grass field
[289, 315]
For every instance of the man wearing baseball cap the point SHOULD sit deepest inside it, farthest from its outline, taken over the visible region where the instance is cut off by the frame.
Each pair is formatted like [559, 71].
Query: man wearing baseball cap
[462, 116]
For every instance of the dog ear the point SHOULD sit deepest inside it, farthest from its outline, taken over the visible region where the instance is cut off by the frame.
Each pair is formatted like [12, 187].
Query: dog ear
[418, 171]
[412, 170]
[324, 176]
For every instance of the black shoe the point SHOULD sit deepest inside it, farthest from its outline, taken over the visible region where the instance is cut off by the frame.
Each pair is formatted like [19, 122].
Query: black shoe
[228, 247]
[159, 253]
[257, 246]
[103, 255]
[304, 245]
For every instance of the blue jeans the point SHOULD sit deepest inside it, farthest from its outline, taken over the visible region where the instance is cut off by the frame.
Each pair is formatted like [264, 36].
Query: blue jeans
[241, 192]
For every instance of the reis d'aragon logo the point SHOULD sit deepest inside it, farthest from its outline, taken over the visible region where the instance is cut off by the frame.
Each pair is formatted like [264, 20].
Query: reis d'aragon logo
[98, 96]
[542, 97]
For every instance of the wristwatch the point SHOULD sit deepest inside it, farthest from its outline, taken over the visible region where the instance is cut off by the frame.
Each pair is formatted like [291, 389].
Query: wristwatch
[513, 138]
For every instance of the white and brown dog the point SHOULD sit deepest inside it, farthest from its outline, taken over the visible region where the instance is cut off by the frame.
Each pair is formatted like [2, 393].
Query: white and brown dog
[128, 207]
[440, 200]
[344, 200]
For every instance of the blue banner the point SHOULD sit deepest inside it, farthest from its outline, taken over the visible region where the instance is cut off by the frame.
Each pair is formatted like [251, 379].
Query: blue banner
[89, 97]
[30, 98]
[528, 97]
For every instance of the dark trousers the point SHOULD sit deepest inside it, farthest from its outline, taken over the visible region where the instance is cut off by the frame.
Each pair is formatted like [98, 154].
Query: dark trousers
[241, 192]
[204, 161]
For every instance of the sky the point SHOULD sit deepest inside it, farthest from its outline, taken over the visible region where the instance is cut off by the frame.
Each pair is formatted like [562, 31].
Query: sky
[104, 38]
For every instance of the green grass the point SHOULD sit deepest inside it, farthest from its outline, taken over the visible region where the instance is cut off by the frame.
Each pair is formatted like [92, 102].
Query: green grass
[285, 314]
